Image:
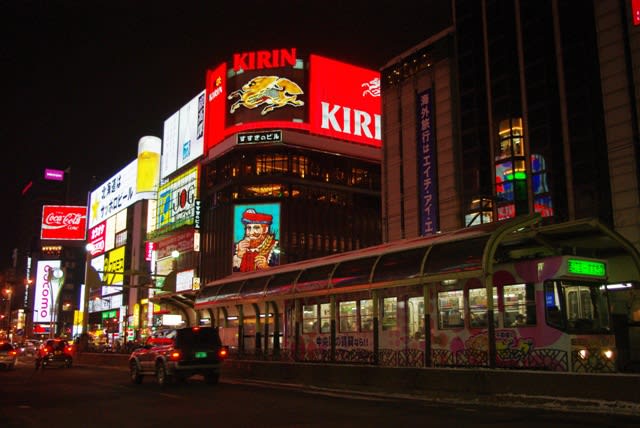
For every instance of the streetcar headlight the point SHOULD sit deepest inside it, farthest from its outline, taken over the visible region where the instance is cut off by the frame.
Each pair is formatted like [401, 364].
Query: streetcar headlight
[583, 353]
[608, 353]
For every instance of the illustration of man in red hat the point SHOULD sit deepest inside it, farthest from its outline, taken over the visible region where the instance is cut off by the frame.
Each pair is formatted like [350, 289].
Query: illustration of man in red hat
[256, 250]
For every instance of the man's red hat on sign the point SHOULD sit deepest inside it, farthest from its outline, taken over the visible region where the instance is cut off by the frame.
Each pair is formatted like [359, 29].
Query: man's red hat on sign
[250, 216]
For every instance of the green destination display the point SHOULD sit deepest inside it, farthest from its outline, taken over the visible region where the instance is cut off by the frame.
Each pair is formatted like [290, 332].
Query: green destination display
[586, 267]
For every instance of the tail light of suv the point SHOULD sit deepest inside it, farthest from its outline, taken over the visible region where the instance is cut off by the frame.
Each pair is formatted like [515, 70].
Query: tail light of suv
[175, 355]
[223, 352]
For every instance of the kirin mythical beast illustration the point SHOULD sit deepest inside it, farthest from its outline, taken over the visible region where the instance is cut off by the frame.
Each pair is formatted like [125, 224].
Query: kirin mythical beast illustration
[274, 91]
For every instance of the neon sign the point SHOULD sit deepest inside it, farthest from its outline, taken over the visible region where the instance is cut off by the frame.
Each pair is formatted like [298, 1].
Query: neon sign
[586, 267]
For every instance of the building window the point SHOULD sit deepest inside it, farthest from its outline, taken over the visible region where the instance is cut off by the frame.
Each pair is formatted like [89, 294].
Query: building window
[480, 212]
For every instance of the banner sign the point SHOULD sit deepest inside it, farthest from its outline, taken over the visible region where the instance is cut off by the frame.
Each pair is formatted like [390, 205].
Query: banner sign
[114, 195]
[428, 175]
[44, 298]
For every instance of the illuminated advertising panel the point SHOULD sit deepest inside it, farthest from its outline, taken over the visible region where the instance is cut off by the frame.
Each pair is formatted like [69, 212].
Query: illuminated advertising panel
[149, 248]
[215, 111]
[344, 101]
[184, 280]
[44, 295]
[63, 222]
[182, 242]
[169, 159]
[114, 195]
[183, 139]
[177, 201]
[96, 239]
[256, 236]
[113, 269]
[191, 130]
[53, 174]
[266, 86]
[110, 238]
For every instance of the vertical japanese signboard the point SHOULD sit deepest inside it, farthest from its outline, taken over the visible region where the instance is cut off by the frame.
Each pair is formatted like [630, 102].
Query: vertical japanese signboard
[427, 164]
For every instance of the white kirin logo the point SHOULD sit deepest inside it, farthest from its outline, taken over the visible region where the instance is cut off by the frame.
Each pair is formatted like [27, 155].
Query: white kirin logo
[372, 87]
[353, 121]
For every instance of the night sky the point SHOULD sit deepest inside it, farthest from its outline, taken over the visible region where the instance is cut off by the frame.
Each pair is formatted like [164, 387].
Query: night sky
[84, 80]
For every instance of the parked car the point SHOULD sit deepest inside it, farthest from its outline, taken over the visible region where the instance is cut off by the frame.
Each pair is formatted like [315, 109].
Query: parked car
[177, 354]
[8, 355]
[55, 352]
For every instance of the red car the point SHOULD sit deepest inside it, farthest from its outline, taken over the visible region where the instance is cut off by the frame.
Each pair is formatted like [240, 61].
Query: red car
[55, 352]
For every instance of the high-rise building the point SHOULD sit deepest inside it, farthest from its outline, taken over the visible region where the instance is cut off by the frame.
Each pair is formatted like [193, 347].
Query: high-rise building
[529, 107]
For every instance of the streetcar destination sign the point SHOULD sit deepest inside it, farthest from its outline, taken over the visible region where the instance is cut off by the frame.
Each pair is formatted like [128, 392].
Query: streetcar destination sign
[586, 267]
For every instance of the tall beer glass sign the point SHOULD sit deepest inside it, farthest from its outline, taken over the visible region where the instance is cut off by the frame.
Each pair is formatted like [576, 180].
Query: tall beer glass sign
[148, 164]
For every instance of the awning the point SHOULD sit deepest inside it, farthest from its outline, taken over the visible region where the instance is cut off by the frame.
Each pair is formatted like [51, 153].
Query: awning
[464, 253]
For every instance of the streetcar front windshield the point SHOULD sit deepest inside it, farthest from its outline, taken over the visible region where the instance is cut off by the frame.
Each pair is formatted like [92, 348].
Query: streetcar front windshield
[574, 306]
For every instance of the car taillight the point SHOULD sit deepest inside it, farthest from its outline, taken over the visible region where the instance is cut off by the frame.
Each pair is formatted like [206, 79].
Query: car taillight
[175, 355]
[69, 349]
[13, 353]
[223, 352]
[48, 349]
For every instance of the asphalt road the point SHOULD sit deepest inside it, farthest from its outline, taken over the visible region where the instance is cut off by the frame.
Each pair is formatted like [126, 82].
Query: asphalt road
[84, 396]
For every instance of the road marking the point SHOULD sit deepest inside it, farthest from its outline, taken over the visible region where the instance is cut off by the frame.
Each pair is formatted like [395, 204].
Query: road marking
[169, 395]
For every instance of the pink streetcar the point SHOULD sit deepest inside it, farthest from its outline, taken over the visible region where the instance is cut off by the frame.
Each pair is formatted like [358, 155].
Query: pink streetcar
[424, 302]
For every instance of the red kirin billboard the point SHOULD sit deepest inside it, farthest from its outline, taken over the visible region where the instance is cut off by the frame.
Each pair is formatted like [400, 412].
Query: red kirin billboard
[286, 89]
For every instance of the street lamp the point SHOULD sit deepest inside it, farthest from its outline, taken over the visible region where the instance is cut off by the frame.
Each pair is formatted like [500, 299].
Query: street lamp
[7, 292]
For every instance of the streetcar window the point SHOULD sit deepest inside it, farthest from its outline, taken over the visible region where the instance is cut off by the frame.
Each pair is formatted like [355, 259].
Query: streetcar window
[389, 313]
[416, 317]
[325, 318]
[587, 307]
[366, 315]
[577, 306]
[519, 305]
[450, 309]
[348, 316]
[309, 318]
[552, 305]
[478, 306]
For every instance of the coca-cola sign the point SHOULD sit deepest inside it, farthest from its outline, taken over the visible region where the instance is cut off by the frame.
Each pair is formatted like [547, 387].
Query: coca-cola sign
[61, 222]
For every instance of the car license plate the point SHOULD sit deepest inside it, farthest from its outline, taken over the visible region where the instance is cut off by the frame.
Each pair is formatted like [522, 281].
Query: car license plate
[201, 355]
[58, 352]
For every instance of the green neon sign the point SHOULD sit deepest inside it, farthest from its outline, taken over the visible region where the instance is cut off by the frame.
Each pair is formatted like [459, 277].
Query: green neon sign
[586, 267]
[517, 176]
[109, 314]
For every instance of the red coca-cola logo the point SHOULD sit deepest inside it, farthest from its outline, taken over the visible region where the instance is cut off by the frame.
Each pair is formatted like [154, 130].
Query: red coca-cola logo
[71, 220]
[63, 222]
